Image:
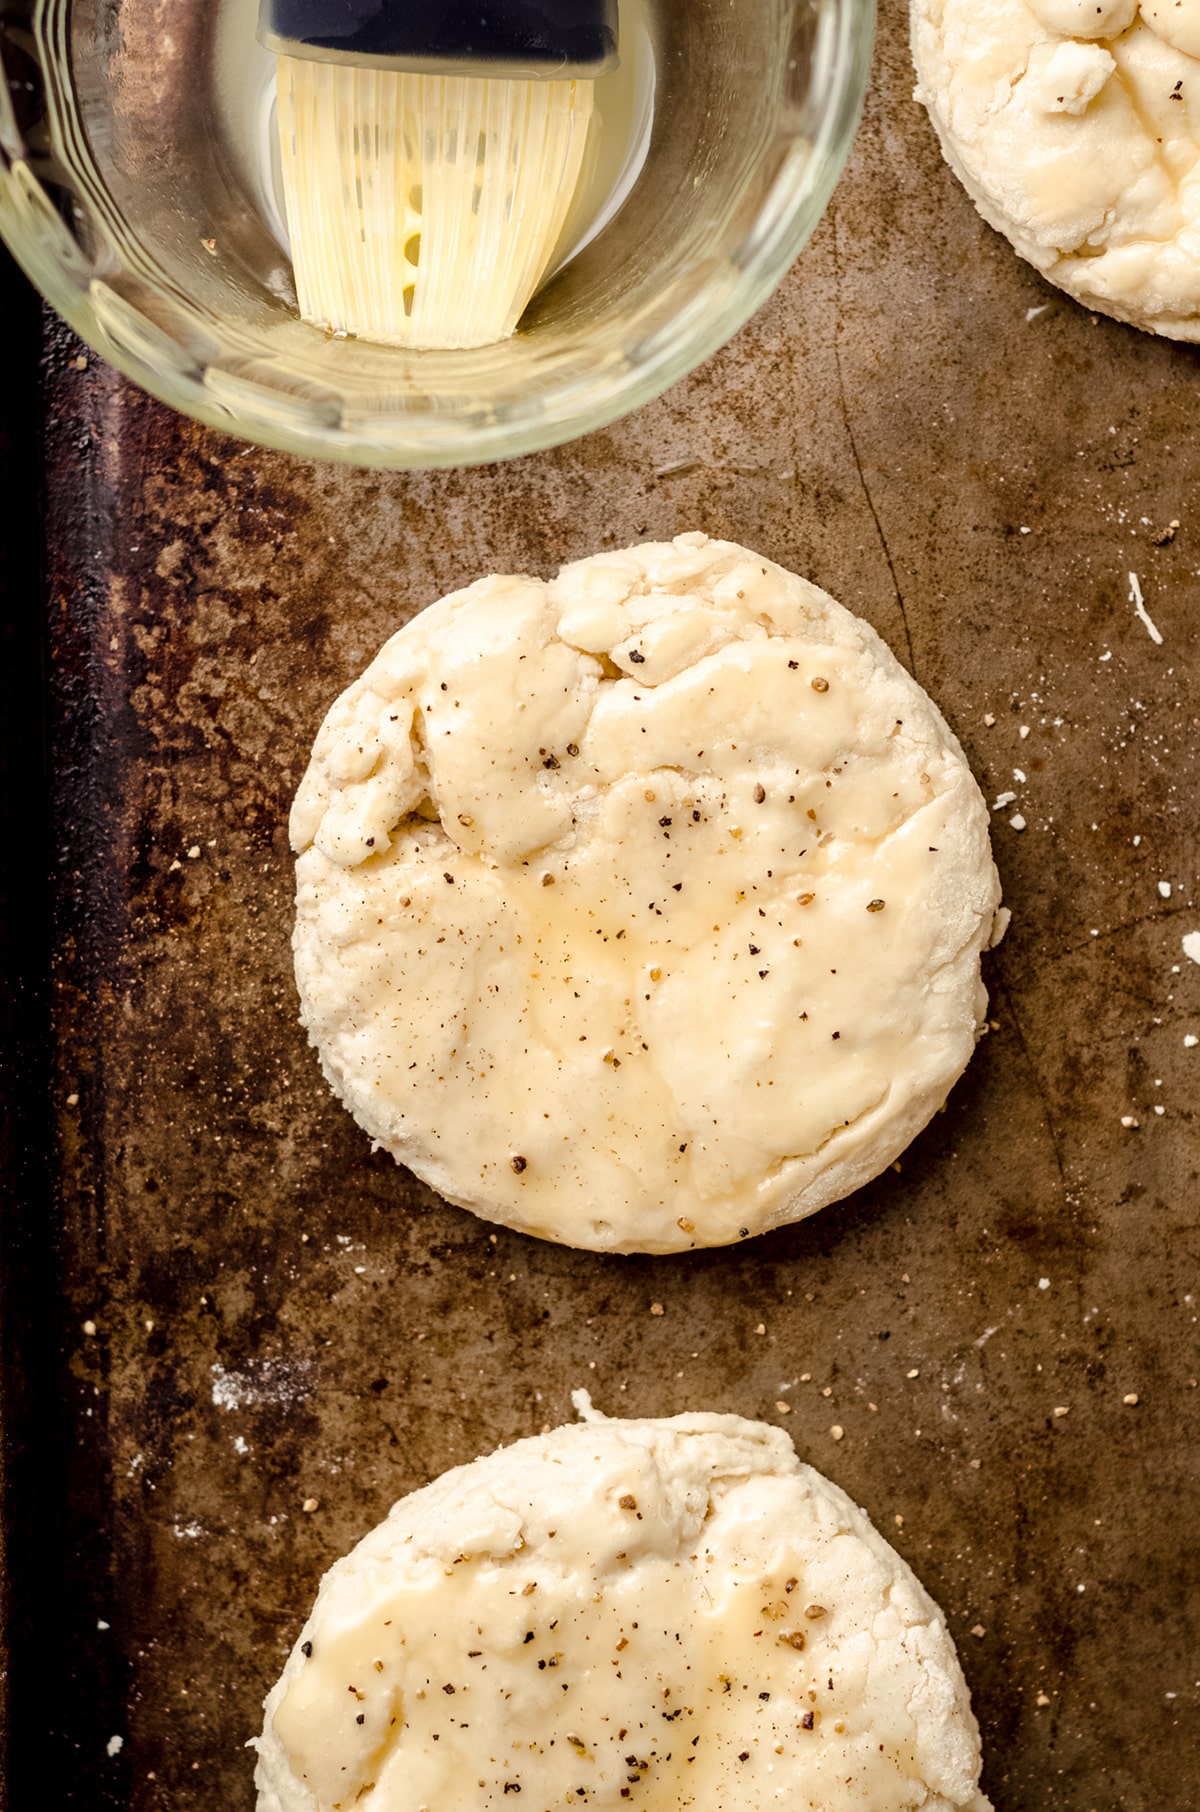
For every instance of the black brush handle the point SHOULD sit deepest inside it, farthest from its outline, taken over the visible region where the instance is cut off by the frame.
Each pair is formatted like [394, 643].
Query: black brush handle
[544, 37]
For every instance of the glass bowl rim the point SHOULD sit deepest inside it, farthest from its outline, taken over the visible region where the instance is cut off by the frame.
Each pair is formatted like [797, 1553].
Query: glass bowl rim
[785, 221]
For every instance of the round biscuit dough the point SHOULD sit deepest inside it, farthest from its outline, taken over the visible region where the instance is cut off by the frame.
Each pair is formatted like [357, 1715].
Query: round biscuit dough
[641, 909]
[1074, 125]
[663, 1612]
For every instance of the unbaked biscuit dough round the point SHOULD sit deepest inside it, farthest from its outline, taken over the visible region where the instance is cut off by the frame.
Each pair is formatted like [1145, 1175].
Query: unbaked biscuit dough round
[1075, 127]
[641, 909]
[671, 1613]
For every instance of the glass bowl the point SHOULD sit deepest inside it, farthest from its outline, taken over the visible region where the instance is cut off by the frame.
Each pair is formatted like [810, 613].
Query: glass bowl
[137, 190]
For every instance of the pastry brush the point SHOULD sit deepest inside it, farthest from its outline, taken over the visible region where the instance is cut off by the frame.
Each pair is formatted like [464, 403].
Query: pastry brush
[430, 151]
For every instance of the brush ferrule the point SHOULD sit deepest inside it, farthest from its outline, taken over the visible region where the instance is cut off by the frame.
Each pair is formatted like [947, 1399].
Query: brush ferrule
[524, 40]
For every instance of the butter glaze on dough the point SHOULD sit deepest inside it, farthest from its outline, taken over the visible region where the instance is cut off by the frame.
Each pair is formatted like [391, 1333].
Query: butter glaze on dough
[641, 909]
[1074, 125]
[662, 1613]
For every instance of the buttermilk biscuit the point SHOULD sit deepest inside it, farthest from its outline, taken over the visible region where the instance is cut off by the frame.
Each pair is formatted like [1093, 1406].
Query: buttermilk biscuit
[641, 909]
[655, 1613]
[1074, 125]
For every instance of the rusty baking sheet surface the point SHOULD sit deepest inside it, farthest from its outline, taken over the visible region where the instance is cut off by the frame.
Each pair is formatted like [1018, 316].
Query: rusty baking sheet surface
[244, 1310]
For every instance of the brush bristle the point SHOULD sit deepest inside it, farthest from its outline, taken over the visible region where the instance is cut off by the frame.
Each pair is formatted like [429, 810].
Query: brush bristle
[423, 210]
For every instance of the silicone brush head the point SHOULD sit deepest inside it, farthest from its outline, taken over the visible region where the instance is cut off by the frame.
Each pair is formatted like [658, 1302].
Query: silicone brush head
[424, 203]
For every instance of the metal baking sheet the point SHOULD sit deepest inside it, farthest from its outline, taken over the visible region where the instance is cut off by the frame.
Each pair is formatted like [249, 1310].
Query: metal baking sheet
[227, 1308]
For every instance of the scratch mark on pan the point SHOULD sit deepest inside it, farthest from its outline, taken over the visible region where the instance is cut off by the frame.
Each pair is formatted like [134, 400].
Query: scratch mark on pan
[858, 465]
[1038, 1085]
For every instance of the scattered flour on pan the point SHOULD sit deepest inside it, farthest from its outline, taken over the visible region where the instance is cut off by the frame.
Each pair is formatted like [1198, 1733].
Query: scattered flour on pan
[274, 1381]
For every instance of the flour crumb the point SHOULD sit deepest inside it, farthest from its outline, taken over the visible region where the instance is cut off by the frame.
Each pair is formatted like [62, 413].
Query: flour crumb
[1140, 611]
